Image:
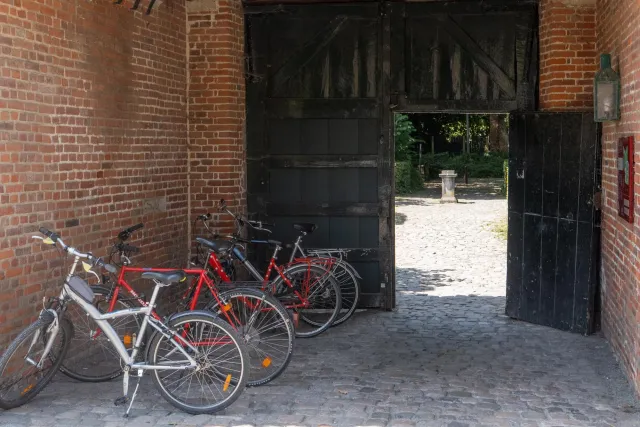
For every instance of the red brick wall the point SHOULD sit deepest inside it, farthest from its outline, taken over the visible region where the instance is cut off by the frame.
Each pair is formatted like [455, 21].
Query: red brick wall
[568, 57]
[93, 137]
[216, 107]
[619, 35]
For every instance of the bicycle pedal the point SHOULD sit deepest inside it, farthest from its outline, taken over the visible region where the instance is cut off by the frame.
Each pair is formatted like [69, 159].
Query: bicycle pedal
[121, 401]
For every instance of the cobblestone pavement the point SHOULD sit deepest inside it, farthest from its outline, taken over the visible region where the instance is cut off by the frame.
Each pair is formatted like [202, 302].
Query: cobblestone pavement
[444, 358]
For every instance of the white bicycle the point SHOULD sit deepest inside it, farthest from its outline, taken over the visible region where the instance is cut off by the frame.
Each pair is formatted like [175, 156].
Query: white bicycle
[198, 363]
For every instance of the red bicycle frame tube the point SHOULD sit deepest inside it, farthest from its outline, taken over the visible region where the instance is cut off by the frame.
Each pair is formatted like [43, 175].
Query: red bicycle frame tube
[202, 278]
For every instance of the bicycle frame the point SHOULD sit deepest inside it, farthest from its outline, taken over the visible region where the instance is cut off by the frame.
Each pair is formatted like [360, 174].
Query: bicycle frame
[202, 279]
[101, 320]
[214, 263]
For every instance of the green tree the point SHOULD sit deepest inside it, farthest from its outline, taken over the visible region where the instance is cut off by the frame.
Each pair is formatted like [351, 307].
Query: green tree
[403, 132]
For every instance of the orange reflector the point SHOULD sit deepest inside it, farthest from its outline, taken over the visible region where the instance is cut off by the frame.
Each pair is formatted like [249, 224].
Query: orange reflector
[226, 383]
[296, 318]
[26, 390]
[126, 340]
[266, 362]
[226, 307]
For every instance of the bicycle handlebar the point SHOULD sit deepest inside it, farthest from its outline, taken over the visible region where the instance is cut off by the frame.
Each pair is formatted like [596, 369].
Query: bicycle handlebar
[126, 233]
[68, 249]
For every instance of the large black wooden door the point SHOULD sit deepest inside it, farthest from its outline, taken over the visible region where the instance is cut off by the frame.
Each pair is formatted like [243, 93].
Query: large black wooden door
[318, 144]
[553, 243]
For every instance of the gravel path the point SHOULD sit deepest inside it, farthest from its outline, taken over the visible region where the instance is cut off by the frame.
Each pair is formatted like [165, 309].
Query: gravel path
[452, 247]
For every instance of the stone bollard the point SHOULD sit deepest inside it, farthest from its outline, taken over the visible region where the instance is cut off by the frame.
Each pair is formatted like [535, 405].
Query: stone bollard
[448, 186]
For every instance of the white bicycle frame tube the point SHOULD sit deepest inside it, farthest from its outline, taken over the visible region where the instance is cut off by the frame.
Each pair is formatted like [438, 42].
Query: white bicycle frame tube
[107, 329]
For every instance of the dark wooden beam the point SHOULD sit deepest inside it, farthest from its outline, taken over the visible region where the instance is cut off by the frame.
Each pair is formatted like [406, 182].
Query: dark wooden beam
[386, 183]
[317, 161]
[480, 57]
[356, 108]
[321, 209]
[363, 9]
[425, 8]
[459, 106]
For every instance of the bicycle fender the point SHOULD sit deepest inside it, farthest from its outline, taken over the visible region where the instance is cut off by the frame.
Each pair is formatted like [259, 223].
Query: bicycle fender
[353, 270]
[176, 316]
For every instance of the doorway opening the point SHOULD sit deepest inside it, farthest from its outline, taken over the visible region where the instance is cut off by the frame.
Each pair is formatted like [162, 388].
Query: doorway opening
[451, 247]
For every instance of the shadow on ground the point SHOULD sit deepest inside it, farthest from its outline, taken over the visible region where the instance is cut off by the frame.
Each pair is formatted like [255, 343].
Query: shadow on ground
[477, 189]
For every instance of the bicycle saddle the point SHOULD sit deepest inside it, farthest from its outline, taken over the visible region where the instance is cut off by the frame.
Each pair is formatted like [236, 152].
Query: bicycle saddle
[216, 245]
[305, 227]
[166, 278]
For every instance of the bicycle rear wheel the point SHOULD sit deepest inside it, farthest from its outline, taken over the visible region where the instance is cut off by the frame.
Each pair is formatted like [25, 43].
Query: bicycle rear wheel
[319, 287]
[223, 364]
[266, 328]
[349, 290]
[92, 357]
[20, 380]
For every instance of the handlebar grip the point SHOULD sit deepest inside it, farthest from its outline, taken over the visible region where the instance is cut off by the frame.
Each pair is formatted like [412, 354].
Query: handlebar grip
[134, 228]
[205, 217]
[126, 233]
[50, 234]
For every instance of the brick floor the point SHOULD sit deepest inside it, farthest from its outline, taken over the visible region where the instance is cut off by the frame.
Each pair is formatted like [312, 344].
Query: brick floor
[443, 358]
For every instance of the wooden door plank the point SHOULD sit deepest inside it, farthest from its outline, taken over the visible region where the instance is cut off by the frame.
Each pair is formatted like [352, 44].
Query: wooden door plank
[566, 275]
[548, 248]
[307, 52]
[318, 161]
[481, 58]
[570, 166]
[386, 183]
[515, 247]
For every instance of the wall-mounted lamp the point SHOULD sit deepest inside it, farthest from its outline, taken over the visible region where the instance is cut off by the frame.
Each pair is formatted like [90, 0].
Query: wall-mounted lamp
[606, 92]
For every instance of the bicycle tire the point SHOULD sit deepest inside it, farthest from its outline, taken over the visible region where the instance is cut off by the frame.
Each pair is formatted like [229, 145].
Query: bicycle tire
[257, 356]
[349, 290]
[75, 369]
[304, 267]
[238, 385]
[31, 391]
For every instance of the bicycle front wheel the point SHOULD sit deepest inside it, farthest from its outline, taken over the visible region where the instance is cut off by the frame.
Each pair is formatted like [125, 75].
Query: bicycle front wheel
[223, 364]
[92, 357]
[20, 378]
[266, 328]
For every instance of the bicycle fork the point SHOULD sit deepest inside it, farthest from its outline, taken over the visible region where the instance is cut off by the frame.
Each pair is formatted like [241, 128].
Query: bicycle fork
[53, 326]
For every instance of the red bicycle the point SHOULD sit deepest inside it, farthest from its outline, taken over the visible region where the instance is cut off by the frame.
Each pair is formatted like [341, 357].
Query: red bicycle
[305, 286]
[258, 317]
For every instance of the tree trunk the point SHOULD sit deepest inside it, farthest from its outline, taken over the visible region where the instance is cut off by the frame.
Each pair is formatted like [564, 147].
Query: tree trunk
[494, 133]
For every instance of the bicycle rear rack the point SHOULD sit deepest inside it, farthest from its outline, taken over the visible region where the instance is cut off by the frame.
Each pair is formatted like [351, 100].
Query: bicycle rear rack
[136, 5]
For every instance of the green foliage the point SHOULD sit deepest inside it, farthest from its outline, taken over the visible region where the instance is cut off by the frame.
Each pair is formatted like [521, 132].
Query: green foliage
[476, 165]
[456, 126]
[501, 228]
[452, 126]
[405, 140]
[505, 183]
[408, 179]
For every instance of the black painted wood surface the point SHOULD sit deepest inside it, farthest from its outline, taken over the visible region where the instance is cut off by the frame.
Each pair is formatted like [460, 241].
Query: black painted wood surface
[554, 225]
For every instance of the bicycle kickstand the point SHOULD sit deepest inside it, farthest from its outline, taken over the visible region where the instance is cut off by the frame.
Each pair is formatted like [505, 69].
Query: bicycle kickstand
[135, 392]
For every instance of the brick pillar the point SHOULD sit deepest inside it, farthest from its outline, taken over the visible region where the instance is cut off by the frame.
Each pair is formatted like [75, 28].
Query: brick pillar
[568, 58]
[216, 106]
